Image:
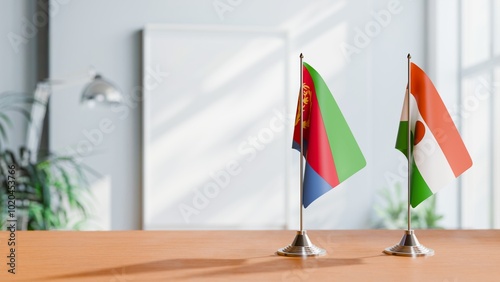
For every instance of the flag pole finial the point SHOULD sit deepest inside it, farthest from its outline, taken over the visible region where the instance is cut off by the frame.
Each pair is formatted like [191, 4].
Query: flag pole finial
[301, 56]
[409, 56]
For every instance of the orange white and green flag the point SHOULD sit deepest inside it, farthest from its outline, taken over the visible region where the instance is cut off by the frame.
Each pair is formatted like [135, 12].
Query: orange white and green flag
[439, 154]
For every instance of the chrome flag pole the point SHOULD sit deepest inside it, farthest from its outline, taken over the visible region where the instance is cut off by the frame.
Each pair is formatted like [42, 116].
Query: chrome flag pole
[301, 245]
[301, 169]
[409, 245]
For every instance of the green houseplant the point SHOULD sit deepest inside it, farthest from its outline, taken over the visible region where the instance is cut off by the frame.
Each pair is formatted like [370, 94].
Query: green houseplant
[392, 212]
[50, 193]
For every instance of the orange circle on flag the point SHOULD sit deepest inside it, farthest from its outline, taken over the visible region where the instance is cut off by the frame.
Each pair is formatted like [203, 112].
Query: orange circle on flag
[419, 132]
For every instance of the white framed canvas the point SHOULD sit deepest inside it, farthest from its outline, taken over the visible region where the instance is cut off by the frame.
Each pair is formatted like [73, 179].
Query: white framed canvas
[216, 127]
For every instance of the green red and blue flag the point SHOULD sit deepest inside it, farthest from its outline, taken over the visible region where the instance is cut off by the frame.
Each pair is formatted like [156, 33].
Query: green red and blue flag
[330, 150]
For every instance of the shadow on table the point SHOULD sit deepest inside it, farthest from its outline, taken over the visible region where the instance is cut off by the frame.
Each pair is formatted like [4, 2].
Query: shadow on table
[154, 266]
[291, 266]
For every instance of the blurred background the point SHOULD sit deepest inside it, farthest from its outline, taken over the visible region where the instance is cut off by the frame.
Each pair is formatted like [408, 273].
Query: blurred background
[200, 137]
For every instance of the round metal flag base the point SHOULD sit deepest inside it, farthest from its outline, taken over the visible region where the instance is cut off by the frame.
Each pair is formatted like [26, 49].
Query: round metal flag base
[409, 247]
[301, 247]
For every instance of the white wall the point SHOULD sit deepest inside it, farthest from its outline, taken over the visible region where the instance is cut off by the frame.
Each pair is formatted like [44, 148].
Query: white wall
[17, 57]
[368, 86]
[468, 91]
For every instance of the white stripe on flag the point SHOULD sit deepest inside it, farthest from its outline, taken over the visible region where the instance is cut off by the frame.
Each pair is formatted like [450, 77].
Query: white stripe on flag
[404, 111]
[429, 158]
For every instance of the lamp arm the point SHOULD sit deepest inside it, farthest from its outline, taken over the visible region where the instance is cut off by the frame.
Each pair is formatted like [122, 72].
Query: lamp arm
[75, 79]
[99, 88]
[38, 111]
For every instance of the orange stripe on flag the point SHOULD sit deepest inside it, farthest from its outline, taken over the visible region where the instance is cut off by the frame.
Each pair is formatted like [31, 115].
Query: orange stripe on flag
[439, 121]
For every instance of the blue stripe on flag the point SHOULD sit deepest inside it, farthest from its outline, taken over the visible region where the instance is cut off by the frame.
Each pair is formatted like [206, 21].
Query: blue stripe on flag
[314, 186]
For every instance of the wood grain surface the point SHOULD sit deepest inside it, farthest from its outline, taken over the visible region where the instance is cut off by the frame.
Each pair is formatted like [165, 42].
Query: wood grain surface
[461, 255]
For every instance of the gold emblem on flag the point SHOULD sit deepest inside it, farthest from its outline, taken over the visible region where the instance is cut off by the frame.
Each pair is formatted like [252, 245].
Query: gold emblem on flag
[306, 107]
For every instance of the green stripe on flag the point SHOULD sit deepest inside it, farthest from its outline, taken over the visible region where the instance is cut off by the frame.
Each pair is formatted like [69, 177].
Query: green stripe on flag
[347, 155]
[402, 139]
[419, 188]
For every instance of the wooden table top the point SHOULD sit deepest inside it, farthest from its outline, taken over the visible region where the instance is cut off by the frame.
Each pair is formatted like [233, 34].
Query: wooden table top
[353, 255]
